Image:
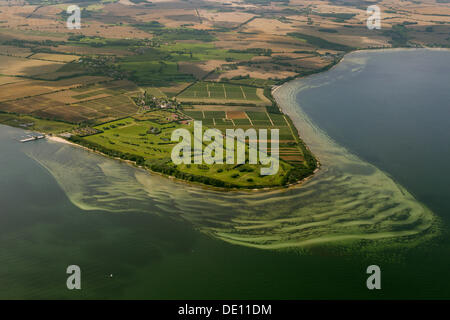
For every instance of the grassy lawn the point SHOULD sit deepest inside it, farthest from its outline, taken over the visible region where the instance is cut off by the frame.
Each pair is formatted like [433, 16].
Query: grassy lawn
[130, 136]
[133, 137]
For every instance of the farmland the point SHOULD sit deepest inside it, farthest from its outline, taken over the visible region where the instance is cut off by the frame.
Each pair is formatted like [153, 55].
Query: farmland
[255, 118]
[208, 92]
[75, 103]
[27, 67]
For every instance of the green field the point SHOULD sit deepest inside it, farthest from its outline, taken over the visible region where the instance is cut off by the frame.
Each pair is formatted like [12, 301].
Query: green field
[130, 136]
[220, 92]
[130, 139]
[159, 66]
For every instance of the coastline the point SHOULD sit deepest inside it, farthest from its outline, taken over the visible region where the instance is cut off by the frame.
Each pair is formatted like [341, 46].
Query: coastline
[181, 181]
[345, 197]
[286, 106]
[283, 108]
[206, 186]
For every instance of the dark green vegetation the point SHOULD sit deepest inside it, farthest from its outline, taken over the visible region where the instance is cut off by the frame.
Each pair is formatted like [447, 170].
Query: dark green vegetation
[172, 34]
[339, 17]
[145, 71]
[159, 66]
[319, 42]
[398, 34]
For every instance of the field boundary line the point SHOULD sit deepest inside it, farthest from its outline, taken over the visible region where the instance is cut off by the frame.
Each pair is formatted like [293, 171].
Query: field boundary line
[187, 87]
[243, 93]
[129, 98]
[249, 119]
[268, 116]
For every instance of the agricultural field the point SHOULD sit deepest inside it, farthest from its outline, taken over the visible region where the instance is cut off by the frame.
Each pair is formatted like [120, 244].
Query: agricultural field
[151, 73]
[29, 88]
[86, 102]
[6, 80]
[13, 51]
[212, 92]
[252, 117]
[16, 66]
[54, 57]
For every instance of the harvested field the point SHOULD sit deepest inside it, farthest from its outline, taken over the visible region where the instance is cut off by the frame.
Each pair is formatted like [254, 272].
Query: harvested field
[30, 88]
[15, 51]
[236, 115]
[54, 57]
[27, 67]
[72, 113]
[6, 80]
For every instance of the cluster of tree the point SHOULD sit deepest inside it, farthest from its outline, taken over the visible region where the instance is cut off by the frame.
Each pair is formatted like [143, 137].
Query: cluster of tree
[171, 170]
[30, 43]
[319, 42]
[154, 130]
[103, 65]
[241, 77]
[398, 34]
[296, 174]
[258, 51]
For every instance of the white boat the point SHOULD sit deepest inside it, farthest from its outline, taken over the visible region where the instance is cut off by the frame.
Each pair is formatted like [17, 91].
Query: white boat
[32, 138]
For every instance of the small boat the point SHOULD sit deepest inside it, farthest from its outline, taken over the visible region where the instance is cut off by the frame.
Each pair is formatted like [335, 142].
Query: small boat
[32, 138]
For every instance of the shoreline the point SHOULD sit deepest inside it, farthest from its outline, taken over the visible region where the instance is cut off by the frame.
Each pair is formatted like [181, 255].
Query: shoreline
[286, 187]
[177, 180]
[283, 108]
[344, 182]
